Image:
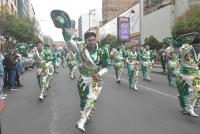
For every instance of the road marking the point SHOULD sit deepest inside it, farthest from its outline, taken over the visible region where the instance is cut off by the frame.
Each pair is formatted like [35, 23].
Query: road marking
[158, 92]
[55, 116]
[151, 89]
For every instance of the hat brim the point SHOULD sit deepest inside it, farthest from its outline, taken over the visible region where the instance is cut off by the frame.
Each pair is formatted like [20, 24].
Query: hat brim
[60, 19]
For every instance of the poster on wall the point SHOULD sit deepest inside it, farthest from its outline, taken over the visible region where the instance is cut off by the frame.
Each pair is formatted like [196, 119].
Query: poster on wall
[123, 29]
[153, 5]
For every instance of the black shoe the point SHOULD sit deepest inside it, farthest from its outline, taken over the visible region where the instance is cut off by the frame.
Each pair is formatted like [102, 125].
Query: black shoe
[118, 81]
[19, 85]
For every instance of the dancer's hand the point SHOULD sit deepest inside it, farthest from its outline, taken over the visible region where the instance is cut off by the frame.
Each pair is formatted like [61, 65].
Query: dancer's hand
[96, 76]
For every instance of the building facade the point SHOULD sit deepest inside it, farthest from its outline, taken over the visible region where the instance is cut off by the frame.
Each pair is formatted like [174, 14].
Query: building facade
[31, 12]
[87, 21]
[111, 26]
[24, 8]
[157, 19]
[48, 41]
[111, 8]
[11, 4]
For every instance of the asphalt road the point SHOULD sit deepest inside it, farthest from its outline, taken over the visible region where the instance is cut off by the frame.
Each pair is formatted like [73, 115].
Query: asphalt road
[154, 109]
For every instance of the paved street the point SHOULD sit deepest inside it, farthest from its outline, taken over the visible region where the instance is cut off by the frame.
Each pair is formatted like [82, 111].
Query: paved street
[152, 110]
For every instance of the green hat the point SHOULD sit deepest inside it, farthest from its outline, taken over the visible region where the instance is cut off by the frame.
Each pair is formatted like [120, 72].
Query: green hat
[60, 19]
[168, 41]
[186, 39]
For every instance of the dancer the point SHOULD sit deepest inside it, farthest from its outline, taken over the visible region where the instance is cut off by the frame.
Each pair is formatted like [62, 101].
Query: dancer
[188, 80]
[133, 67]
[119, 58]
[146, 65]
[172, 62]
[55, 58]
[72, 63]
[42, 69]
[92, 65]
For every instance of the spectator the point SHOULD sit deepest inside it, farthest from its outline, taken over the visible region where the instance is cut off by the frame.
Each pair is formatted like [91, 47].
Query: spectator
[5, 63]
[11, 66]
[1, 109]
[18, 72]
[2, 96]
[1, 84]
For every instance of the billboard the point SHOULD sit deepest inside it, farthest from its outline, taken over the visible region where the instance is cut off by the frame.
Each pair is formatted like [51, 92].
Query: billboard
[153, 5]
[123, 29]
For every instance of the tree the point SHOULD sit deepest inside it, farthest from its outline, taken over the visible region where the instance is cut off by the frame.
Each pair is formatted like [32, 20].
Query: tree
[21, 29]
[189, 22]
[111, 40]
[152, 42]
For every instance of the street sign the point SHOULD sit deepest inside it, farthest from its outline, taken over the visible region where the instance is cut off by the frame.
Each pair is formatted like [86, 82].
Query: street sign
[123, 29]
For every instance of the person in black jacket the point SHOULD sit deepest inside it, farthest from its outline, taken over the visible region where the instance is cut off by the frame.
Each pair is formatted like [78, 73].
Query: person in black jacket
[11, 68]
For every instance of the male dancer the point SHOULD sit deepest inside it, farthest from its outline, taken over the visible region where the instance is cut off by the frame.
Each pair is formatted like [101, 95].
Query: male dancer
[42, 71]
[145, 63]
[172, 62]
[55, 58]
[119, 58]
[188, 80]
[92, 65]
[72, 63]
[133, 67]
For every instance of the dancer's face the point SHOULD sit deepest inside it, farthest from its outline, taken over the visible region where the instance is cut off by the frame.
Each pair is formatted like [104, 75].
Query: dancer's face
[91, 42]
[40, 46]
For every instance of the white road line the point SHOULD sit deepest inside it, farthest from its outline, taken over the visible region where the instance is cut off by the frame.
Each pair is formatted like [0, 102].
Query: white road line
[158, 92]
[150, 89]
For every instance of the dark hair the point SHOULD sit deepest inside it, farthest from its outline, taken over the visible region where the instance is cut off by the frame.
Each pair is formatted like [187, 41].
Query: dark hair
[88, 34]
[39, 42]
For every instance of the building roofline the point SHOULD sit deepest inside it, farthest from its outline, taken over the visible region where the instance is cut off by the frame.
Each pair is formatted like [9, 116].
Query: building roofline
[122, 11]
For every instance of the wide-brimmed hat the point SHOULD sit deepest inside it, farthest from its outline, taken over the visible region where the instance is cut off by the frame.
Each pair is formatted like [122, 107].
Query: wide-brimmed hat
[60, 19]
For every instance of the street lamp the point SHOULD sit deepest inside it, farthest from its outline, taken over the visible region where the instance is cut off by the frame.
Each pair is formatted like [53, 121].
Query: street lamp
[90, 11]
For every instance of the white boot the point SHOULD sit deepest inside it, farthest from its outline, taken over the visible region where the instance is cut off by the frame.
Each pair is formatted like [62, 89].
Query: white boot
[192, 113]
[135, 87]
[41, 97]
[81, 125]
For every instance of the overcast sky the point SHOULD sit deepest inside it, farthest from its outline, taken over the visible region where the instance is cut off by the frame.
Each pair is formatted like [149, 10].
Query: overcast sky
[73, 7]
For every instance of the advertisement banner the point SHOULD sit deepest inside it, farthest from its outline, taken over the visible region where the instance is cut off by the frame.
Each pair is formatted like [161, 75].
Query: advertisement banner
[123, 29]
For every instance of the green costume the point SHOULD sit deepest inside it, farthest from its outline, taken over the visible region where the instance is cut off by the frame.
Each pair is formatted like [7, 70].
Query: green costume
[72, 63]
[55, 60]
[152, 56]
[172, 61]
[24, 48]
[146, 65]
[188, 80]
[119, 56]
[49, 59]
[42, 70]
[63, 57]
[133, 67]
[90, 64]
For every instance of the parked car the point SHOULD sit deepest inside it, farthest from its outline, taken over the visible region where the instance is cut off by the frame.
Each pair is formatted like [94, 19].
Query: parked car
[21, 63]
[29, 61]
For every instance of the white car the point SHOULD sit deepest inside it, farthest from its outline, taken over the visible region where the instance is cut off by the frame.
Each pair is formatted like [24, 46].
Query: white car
[29, 61]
